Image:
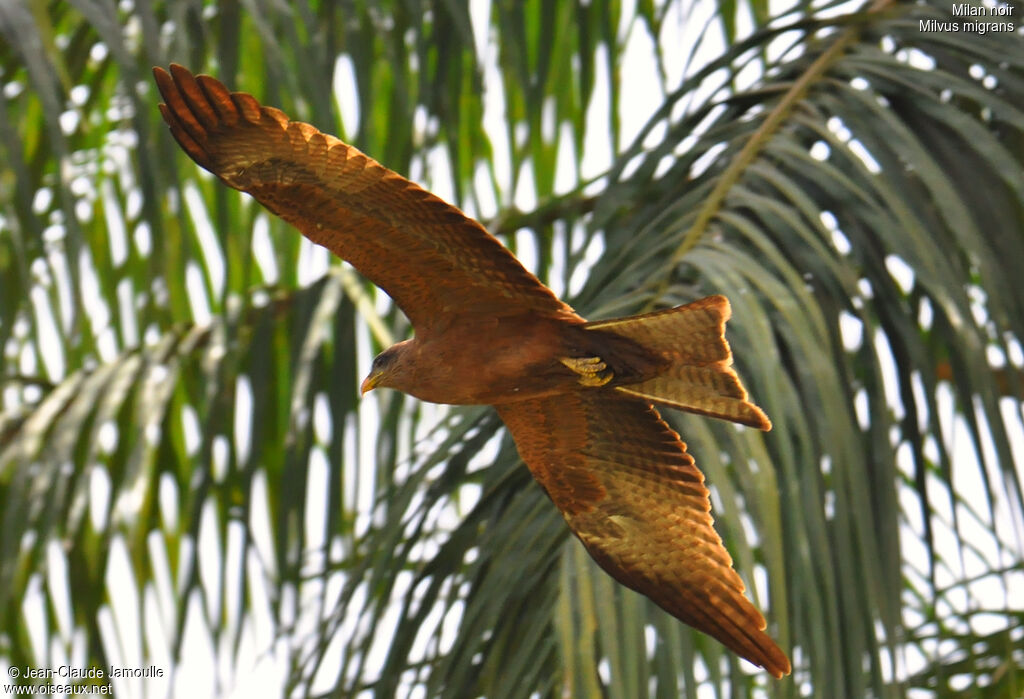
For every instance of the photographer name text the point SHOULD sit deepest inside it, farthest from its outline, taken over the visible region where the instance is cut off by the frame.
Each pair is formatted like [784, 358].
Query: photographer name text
[70, 672]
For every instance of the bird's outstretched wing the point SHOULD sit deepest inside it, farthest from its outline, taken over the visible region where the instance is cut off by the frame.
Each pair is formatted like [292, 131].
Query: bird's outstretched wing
[634, 497]
[433, 260]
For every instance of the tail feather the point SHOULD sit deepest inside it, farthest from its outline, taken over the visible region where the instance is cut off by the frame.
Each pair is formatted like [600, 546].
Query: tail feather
[698, 377]
[692, 333]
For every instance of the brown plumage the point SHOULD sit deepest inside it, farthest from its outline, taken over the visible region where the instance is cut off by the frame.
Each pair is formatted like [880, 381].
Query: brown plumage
[576, 396]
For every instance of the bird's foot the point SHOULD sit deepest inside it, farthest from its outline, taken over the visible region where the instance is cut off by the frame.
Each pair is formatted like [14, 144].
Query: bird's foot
[592, 370]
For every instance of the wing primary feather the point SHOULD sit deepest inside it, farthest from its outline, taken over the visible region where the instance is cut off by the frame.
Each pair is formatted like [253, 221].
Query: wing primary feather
[219, 98]
[439, 265]
[194, 97]
[181, 135]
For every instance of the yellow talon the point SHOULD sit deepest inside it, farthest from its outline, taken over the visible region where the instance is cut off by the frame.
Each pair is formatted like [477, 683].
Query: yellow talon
[591, 370]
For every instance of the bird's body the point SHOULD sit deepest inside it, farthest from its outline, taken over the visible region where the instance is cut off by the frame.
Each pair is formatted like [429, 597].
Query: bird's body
[490, 370]
[576, 396]
[513, 358]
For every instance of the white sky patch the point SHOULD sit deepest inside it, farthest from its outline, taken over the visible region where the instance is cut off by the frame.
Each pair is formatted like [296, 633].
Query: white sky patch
[167, 499]
[117, 233]
[161, 589]
[916, 58]
[143, 239]
[69, 121]
[548, 121]
[42, 200]
[632, 165]
[322, 419]
[889, 378]
[259, 522]
[107, 437]
[33, 610]
[556, 276]
[707, 159]
[593, 252]
[242, 431]
[691, 139]
[197, 298]
[124, 602]
[839, 240]
[640, 92]
[710, 91]
[317, 491]
[384, 629]
[925, 314]
[494, 123]
[526, 249]
[425, 635]
[978, 298]
[480, 20]
[486, 201]
[422, 127]
[656, 134]
[55, 275]
[57, 587]
[996, 357]
[901, 272]
[566, 167]
[851, 329]
[314, 261]
[836, 126]
[326, 679]
[198, 653]
[861, 407]
[89, 283]
[210, 556]
[439, 173]
[862, 153]
[190, 429]
[158, 652]
[785, 44]
[680, 28]
[346, 95]
[126, 307]
[213, 255]
[526, 189]
[361, 480]
[50, 348]
[664, 165]
[263, 249]
[597, 157]
[752, 70]
[923, 416]
[99, 497]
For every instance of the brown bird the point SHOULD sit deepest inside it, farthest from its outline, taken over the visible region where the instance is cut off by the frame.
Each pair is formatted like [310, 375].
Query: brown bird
[576, 396]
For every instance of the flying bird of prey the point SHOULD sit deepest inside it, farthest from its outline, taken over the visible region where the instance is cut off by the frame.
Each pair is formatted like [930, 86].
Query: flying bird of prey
[578, 397]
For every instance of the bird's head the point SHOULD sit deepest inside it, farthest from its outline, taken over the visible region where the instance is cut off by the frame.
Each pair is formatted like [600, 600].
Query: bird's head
[385, 369]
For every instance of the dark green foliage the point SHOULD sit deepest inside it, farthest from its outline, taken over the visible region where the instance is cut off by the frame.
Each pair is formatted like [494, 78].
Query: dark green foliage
[857, 192]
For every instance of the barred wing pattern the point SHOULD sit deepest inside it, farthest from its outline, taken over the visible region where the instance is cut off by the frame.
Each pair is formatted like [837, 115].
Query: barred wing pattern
[632, 494]
[432, 259]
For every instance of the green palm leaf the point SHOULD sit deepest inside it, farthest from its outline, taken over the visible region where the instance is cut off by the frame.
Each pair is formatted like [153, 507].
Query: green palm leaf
[181, 442]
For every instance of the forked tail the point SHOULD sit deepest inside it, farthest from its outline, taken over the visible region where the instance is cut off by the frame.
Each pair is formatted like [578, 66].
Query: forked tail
[699, 377]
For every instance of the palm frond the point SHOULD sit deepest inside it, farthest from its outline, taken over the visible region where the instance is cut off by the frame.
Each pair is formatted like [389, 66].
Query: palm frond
[179, 402]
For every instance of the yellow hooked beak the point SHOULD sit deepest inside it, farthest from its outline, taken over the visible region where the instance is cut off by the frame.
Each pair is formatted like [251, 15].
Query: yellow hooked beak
[370, 383]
